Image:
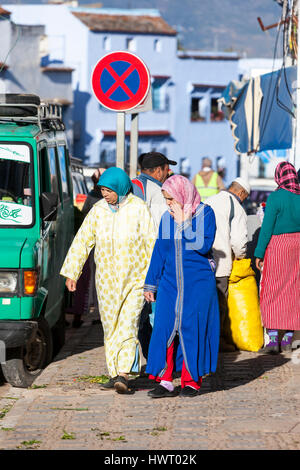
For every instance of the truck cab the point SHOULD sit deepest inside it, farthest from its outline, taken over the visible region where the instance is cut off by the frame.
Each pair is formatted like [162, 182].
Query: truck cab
[36, 230]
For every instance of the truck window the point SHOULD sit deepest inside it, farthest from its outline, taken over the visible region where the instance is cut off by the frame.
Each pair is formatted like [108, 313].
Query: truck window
[75, 187]
[54, 173]
[16, 186]
[63, 171]
[45, 181]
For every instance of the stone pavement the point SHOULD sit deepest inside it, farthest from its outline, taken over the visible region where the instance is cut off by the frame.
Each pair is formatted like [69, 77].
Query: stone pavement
[251, 402]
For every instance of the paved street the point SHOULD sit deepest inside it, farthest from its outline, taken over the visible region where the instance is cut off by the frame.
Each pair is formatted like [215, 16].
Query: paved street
[252, 402]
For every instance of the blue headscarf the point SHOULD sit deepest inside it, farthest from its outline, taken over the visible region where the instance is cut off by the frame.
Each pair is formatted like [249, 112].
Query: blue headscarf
[117, 180]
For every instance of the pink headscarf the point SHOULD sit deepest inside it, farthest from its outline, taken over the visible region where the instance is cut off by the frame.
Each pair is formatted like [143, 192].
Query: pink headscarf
[286, 177]
[183, 191]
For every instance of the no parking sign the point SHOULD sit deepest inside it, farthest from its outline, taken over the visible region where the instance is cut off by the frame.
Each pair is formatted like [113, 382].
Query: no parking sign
[120, 81]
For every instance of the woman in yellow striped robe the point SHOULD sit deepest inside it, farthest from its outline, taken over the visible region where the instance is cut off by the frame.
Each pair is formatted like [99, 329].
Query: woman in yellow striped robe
[121, 229]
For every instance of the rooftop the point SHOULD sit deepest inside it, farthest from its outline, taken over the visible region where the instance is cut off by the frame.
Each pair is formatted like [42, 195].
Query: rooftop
[117, 11]
[4, 12]
[125, 21]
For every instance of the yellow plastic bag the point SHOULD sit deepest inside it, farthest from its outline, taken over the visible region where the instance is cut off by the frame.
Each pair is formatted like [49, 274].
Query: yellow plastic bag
[243, 306]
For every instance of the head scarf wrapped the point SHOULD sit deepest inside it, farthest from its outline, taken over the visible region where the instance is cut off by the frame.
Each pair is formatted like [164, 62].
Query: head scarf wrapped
[286, 177]
[117, 180]
[183, 191]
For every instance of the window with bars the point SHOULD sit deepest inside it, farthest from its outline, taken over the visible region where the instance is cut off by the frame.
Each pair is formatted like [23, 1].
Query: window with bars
[131, 44]
[157, 45]
[106, 43]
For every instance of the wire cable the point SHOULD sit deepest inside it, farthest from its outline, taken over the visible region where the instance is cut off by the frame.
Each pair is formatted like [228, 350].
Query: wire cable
[265, 119]
[288, 14]
[13, 46]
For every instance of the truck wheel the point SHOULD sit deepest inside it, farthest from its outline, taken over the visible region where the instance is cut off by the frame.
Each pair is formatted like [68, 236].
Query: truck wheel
[24, 364]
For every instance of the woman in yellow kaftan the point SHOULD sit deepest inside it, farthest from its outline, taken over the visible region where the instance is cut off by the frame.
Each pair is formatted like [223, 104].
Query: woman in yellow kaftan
[121, 229]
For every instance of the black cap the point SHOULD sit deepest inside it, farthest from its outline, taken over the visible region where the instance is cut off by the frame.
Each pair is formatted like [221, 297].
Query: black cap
[154, 159]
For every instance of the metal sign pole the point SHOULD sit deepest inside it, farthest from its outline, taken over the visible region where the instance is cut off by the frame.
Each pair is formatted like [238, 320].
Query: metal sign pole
[120, 140]
[133, 145]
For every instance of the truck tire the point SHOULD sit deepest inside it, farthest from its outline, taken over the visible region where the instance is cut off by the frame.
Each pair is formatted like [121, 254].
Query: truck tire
[24, 364]
[19, 98]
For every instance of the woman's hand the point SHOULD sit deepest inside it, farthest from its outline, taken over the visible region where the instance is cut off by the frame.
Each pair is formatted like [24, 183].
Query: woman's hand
[259, 263]
[178, 212]
[71, 285]
[149, 296]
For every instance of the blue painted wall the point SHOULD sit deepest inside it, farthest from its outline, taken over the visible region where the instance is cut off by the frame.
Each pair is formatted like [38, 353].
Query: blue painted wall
[198, 139]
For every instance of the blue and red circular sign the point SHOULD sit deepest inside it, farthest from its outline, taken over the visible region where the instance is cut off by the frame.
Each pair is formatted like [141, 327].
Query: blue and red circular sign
[120, 81]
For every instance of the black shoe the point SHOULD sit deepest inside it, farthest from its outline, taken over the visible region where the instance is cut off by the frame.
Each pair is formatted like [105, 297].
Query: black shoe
[188, 392]
[161, 392]
[110, 385]
[142, 383]
[121, 385]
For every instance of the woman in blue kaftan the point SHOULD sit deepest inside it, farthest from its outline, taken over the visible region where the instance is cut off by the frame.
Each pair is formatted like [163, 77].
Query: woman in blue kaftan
[181, 274]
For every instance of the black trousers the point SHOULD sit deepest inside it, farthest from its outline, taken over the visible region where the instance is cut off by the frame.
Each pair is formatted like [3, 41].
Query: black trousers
[145, 329]
[222, 289]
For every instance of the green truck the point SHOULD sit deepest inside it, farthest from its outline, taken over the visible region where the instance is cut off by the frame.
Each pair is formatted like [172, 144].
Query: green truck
[36, 230]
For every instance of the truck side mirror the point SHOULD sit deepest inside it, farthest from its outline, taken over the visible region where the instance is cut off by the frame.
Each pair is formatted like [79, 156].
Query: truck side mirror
[49, 203]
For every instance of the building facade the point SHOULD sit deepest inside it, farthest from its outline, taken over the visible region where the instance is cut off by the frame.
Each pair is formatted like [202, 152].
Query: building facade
[185, 122]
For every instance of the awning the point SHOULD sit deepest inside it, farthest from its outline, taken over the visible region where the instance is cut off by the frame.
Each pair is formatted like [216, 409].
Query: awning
[260, 111]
